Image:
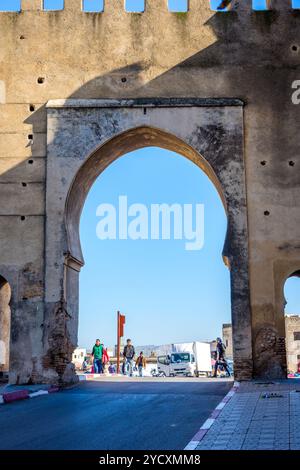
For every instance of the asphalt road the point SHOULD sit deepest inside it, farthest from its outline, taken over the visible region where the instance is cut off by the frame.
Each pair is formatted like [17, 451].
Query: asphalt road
[106, 415]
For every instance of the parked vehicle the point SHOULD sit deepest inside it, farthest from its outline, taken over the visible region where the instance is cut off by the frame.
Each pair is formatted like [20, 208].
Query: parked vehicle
[186, 359]
[230, 366]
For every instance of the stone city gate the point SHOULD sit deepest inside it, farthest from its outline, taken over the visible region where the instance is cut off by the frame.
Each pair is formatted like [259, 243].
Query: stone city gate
[85, 136]
[72, 99]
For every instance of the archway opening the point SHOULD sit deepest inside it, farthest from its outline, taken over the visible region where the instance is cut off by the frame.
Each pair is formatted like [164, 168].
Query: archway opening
[111, 150]
[169, 294]
[5, 319]
[292, 323]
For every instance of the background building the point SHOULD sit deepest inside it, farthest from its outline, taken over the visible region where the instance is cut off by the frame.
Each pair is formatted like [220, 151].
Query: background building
[78, 357]
[227, 338]
[292, 332]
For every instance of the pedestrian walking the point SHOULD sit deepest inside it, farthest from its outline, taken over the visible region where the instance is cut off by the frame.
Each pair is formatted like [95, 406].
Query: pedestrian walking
[128, 355]
[220, 360]
[97, 353]
[141, 363]
[105, 361]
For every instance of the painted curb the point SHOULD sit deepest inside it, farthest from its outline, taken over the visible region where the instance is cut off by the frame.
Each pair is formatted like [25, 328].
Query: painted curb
[192, 445]
[87, 377]
[16, 395]
[83, 377]
[9, 397]
[38, 393]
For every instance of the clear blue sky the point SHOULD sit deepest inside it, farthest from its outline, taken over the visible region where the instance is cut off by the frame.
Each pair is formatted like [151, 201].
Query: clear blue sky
[292, 296]
[94, 5]
[167, 293]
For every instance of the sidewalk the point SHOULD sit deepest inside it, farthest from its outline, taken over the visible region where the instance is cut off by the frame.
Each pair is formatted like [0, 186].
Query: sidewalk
[262, 416]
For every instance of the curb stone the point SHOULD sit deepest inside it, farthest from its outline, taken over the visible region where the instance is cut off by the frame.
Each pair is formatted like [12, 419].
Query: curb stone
[14, 396]
[23, 394]
[192, 445]
[83, 377]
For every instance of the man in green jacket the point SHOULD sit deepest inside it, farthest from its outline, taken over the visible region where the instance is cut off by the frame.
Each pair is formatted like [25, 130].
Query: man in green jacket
[97, 357]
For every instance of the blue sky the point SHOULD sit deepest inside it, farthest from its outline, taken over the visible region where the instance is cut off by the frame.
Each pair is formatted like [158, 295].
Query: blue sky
[292, 296]
[95, 5]
[167, 293]
[135, 5]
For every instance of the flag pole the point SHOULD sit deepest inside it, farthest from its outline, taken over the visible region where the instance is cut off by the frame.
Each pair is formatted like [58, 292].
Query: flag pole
[118, 345]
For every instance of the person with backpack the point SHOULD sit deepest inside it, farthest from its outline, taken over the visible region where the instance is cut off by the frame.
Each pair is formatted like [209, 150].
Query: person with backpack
[220, 360]
[128, 355]
[97, 353]
[141, 363]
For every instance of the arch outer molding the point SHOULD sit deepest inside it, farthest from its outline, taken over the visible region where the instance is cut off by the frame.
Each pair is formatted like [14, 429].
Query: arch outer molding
[85, 136]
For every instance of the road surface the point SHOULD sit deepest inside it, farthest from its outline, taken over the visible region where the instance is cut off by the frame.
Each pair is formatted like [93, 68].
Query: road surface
[142, 414]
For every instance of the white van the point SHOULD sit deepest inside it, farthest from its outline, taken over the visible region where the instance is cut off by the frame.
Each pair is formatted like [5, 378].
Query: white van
[176, 364]
[186, 359]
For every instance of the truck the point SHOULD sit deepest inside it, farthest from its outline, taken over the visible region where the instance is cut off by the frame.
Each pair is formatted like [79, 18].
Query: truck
[185, 359]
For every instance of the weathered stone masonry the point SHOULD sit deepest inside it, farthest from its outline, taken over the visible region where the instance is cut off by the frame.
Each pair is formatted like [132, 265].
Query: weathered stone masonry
[78, 90]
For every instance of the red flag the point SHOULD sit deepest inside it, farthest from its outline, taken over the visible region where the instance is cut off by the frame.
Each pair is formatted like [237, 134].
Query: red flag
[122, 323]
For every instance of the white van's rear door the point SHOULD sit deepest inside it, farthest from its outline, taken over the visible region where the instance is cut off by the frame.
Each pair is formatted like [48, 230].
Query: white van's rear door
[203, 357]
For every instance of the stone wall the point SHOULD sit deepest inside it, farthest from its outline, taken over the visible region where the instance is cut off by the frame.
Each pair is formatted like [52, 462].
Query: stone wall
[253, 56]
[227, 339]
[292, 327]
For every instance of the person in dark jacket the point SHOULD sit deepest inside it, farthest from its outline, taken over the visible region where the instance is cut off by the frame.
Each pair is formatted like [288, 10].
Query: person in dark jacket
[141, 363]
[128, 355]
[220, 360]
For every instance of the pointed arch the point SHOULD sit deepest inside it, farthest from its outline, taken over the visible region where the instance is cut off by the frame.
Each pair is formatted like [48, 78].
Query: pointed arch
[103, 156]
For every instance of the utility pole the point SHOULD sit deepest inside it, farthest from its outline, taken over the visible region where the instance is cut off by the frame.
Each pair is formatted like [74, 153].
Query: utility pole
[120, 332]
